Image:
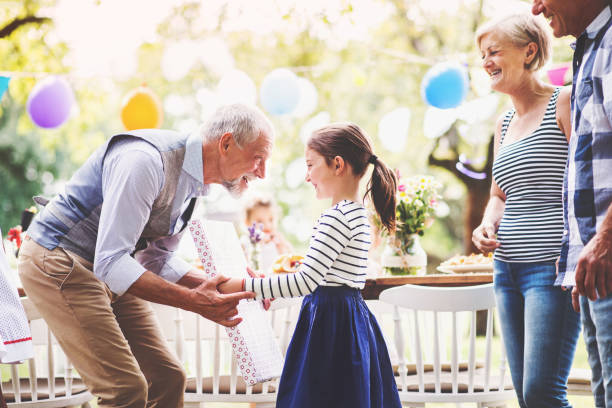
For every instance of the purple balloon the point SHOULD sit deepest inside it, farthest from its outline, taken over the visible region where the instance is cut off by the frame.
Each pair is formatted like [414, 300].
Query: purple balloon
[50, 102]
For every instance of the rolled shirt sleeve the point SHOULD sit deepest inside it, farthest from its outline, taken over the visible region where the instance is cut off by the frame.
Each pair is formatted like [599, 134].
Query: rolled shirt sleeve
[159, 257]
[132, 178]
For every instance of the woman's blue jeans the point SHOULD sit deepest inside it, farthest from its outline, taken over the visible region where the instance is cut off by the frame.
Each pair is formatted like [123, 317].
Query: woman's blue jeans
[540, 330]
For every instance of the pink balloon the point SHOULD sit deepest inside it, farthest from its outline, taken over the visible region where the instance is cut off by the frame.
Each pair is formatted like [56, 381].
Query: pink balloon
[557, 75]
[50, 102]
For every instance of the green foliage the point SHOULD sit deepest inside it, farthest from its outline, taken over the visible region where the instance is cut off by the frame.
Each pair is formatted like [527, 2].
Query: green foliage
[358, 79]
[31, 159]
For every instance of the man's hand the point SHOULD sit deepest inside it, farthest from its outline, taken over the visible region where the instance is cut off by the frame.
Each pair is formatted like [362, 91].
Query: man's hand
[220, 308]
[484, 238]
[253, 274]
[194, 293]
[594, 268]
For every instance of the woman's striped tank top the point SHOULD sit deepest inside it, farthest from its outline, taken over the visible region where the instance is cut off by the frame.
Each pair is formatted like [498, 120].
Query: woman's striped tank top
[530, 172]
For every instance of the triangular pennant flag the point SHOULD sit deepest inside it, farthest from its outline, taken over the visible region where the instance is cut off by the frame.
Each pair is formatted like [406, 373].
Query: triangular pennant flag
[4, 81]
[557, 75]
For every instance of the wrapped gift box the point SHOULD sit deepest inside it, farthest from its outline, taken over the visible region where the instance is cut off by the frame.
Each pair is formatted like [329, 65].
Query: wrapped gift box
[253, 341]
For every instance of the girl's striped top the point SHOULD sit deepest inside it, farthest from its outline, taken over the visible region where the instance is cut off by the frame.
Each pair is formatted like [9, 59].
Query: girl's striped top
[530, 172]
[337, 256]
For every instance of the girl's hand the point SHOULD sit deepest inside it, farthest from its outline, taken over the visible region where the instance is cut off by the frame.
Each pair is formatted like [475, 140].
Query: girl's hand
[484, 238]
[231, 285]
[253, 274]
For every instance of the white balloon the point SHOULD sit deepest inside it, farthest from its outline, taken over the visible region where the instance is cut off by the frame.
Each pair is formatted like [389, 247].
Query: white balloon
[236, 86]
[175, 104]
[280, 92]
[393, 129]
[295, 173]
[480, 81]
[437, 121]
[317, 121]
[476, 134]
[309, 98]
[178, 59]
[188, 125]
[125, 66]
[478, 110]
[216, 55]
[208, 102]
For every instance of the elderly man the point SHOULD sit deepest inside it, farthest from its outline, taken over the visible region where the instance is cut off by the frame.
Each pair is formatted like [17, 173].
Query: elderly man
[98, 252]
[586, 255]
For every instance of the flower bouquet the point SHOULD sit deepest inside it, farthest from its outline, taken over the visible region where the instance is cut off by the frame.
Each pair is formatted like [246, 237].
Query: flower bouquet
[416, 201]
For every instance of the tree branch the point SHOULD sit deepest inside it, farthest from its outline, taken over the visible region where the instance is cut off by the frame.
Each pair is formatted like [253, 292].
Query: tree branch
[448, 164]
[451, 164]
[20, 21]
[490, 153]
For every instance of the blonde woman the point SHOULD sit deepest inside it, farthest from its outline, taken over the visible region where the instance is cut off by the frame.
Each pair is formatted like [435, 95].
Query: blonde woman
[523, 222]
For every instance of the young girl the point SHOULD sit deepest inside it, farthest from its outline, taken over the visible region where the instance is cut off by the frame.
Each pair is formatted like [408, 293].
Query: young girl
[337, 356]
[262, 211]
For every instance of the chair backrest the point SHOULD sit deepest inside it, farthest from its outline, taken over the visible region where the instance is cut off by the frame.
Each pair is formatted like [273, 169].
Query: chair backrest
[437, 328]
[48, 378]
[204, 349]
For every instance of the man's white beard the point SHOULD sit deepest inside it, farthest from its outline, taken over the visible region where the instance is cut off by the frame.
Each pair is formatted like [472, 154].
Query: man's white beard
[234, 187]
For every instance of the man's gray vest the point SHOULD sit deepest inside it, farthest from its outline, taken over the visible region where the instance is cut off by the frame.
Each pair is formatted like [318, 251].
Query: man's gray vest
[70, 220]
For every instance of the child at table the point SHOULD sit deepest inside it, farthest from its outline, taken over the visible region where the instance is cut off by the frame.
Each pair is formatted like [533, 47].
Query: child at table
[262, 212]
[337, 356]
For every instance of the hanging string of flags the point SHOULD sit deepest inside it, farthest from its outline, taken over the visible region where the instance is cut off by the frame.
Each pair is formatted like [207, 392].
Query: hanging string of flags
[282, 93]
[444, 89]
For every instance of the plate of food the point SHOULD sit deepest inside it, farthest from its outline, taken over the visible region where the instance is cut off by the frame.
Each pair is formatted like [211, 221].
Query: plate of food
[468, 264]
[287, 264]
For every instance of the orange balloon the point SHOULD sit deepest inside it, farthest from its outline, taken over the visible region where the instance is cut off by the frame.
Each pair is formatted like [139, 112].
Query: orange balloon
[141, 109]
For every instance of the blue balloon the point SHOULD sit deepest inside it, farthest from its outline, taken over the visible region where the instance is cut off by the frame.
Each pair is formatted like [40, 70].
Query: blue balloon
[280, 92]
[4, 81]
[445, 85]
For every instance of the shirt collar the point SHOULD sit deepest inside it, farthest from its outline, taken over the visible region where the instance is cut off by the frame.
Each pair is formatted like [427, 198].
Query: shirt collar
[595, 25]
[598, 23]
[193, 163]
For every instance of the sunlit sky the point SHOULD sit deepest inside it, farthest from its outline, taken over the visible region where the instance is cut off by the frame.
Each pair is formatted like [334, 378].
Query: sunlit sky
[104, 35]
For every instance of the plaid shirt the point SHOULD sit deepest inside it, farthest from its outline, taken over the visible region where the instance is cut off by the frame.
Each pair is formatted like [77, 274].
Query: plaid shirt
[587, 191]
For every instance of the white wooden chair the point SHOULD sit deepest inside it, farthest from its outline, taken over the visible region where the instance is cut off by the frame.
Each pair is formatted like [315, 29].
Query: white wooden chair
[441, 368]
[579, 382]
[212, 372]
[44, 387]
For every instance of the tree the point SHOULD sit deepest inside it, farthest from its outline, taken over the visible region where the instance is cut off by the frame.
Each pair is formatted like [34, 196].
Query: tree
[365, 58]
[20, 162]
[477, 188]
[32, 159]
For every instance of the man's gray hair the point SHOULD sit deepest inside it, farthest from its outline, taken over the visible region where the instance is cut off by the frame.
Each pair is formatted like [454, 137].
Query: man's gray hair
[246, 123]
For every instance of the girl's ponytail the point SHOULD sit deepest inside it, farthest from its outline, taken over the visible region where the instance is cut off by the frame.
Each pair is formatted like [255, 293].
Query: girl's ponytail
[382, 187]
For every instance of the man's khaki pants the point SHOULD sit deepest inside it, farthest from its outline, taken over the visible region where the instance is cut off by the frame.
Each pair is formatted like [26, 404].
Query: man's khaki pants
[115, 343]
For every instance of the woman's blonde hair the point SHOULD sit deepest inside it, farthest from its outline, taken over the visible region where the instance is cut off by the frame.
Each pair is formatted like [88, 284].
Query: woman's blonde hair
[521, 29]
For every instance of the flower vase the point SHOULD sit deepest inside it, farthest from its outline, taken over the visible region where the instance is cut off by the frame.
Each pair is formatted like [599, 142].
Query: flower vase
[404, 258]
[255, 258]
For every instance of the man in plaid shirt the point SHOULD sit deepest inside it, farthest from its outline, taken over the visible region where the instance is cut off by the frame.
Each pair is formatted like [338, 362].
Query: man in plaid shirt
[586, 256]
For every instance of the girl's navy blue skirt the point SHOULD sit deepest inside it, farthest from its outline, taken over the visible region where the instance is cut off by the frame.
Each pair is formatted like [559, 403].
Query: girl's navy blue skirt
[337, 356]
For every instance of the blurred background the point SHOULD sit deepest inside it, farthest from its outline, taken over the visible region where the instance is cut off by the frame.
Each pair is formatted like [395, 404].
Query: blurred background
[305, 63]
